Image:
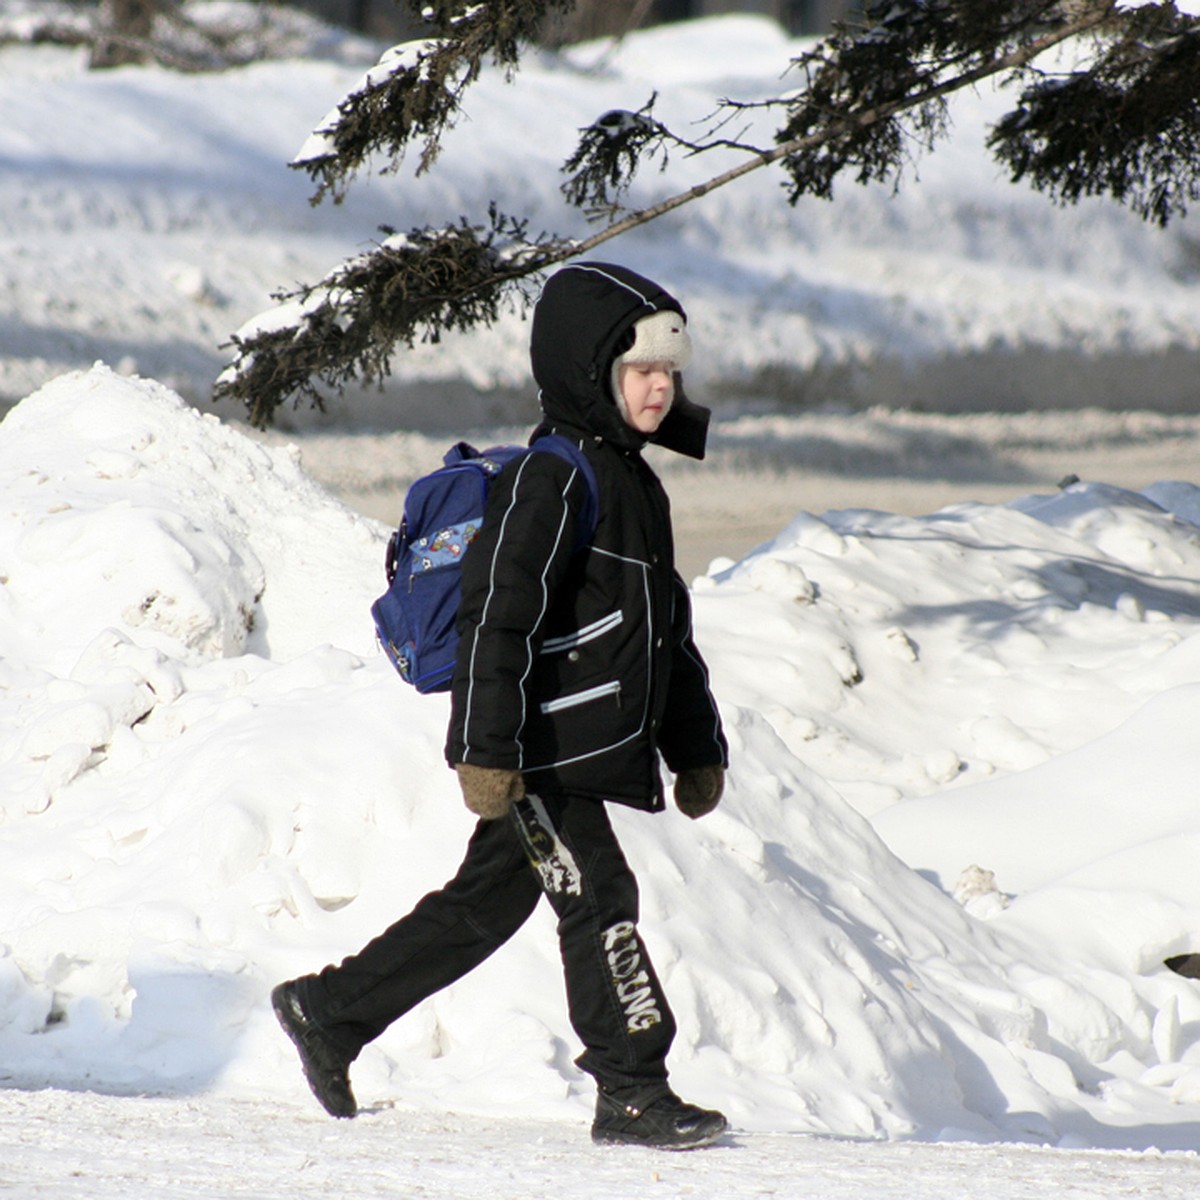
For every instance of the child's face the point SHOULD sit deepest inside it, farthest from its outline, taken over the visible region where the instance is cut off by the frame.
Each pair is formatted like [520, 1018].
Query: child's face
[648, 389]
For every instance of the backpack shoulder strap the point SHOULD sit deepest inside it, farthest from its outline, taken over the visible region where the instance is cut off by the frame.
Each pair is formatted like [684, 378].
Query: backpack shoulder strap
[569, 452]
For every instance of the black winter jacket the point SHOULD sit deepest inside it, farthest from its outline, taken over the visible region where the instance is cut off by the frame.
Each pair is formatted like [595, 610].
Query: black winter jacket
[576, 663]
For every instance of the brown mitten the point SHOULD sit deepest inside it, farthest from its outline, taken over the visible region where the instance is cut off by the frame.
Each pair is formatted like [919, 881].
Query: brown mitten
[698, 789]
[489, 791]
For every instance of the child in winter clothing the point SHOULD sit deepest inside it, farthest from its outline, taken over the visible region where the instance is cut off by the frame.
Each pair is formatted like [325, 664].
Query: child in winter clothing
[576, 670]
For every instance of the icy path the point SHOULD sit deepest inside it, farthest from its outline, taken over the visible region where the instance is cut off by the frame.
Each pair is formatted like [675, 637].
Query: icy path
[76, 1144]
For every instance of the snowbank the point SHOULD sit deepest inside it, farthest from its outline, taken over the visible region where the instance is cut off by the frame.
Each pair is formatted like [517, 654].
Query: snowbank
[212, 781]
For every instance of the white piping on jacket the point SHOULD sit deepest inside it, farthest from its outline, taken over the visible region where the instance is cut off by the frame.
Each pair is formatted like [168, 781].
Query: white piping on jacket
[686, 646]
[581, 636]
[487, 605]
[613, 279]
[644, 567]
[574, 699]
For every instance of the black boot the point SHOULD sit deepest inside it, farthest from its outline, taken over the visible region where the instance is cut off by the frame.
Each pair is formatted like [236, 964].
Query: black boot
[326, 1066]
[654, 1116]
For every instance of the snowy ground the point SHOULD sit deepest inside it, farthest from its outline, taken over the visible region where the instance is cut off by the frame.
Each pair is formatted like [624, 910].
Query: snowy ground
[212, 781]
[67, 1144]
[917, 952]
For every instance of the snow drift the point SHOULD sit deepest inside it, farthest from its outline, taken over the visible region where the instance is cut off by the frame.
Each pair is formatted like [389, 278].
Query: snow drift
[211, 780]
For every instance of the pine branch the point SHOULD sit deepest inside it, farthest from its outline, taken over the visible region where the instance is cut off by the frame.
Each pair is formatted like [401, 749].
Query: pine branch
[415, 92]
[858, 84]
[609, 154]
[431, 280]
[841, 127]
[412, 287]
[1128, 128]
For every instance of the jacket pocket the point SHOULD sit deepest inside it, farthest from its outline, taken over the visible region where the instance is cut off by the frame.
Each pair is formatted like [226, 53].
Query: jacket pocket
[569, 641]
[575, 699]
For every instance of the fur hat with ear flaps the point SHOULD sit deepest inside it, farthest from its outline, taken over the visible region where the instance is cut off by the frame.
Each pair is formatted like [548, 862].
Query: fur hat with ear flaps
[661, 337]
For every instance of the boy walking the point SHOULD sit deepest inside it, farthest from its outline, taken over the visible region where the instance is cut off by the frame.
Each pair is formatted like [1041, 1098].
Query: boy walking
[576, 670]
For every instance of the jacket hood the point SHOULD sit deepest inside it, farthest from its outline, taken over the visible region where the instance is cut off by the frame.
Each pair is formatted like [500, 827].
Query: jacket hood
[578, 321]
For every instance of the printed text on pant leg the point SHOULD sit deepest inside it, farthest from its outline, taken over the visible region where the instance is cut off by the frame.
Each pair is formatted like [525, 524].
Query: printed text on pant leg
[630, 979]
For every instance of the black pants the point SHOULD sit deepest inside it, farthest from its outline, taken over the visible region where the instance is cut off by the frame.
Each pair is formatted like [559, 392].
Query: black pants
[562, 847]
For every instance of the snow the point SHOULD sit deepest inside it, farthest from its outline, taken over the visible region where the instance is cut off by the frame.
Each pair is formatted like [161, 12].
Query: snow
[320, 144]
[212, 780]
[917, 951]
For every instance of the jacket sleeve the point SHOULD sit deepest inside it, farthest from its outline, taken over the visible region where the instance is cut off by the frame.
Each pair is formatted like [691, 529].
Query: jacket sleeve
[691, 733]
[509, 578]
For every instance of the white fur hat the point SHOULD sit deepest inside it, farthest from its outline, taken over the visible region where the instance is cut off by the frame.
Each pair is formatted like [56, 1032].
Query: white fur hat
[660, 337]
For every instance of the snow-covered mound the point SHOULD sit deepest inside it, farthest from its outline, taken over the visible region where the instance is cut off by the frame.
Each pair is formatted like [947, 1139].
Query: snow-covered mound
[211, 780]
[150, 214]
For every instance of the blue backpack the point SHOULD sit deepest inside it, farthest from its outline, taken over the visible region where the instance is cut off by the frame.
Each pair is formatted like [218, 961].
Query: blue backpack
[415, 618]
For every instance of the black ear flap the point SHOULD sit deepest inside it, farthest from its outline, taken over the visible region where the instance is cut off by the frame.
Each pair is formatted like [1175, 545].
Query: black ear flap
[685, 427]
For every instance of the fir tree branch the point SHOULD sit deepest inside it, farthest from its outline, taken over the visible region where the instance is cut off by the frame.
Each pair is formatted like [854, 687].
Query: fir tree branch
[412, 287]
[1128, 128]
[416, 90]
[840, 126]
[457, 278]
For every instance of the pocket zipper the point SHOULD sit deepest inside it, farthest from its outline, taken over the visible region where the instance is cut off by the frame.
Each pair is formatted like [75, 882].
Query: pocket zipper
[612, 688]
[596, 629]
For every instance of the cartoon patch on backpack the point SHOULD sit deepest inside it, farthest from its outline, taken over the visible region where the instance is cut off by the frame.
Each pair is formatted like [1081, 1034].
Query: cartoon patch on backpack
[445, 547]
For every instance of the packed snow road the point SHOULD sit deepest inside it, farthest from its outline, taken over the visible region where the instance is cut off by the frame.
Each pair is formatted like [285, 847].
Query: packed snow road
[78, 1144]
